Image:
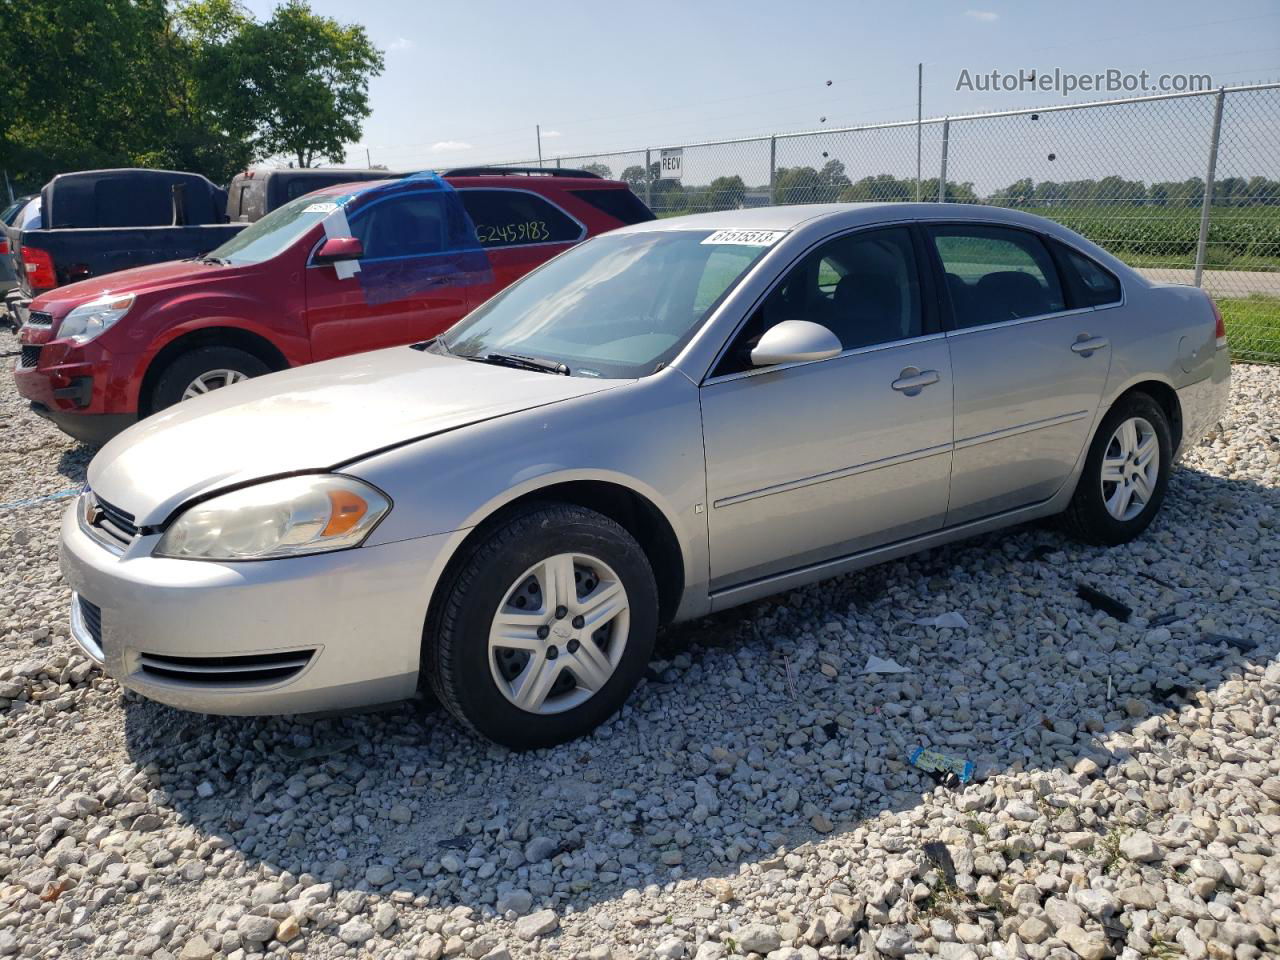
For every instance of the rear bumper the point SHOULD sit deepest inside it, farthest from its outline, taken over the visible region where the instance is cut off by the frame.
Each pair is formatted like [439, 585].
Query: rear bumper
[1204, 402]
[347, 626]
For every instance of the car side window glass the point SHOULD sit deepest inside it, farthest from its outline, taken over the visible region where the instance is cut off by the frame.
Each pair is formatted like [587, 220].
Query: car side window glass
[1092, 285]
[413, 225]
[994, 274]
[864, 287]
[515, 218]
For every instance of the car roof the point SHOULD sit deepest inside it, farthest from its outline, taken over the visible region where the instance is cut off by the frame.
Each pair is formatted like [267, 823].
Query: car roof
[791, 216]
[497, 181]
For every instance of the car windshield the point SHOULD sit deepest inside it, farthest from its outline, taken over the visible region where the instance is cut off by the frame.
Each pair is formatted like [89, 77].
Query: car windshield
[619, 306]
[275, 232]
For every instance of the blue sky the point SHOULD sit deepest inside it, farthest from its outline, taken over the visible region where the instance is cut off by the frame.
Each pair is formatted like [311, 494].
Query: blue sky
[466, 83]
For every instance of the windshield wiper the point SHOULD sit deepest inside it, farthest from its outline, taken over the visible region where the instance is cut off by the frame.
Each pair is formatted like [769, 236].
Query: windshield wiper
[522, 362]
[218, 261]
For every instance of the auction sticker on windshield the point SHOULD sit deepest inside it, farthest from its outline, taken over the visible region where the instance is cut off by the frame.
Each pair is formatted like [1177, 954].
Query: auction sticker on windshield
[754, 238]
[321, 208]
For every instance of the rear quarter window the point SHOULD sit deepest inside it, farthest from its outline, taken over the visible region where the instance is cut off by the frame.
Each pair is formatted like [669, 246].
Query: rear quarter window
[514, 218]
[621, 204]
[1090, 283]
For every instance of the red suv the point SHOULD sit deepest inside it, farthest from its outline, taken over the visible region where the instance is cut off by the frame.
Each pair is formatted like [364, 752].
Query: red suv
[345, 269]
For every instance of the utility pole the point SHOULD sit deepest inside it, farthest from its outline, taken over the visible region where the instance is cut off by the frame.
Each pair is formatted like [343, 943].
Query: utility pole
[919, 121]
[537, 128]
[367, 158]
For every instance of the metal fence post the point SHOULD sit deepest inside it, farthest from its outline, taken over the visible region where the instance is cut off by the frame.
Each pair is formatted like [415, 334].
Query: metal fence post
[1207, 202]
[942, 179]
[773, 169]
[648, 180]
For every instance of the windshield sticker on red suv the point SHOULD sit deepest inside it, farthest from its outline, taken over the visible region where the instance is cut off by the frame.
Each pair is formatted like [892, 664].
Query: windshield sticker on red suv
[752, 238]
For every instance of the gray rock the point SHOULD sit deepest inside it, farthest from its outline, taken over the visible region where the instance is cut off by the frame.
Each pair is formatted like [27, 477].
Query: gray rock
[536, 924]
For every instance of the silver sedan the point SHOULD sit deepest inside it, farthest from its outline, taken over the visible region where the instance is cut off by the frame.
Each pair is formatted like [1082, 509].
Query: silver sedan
[665, 421]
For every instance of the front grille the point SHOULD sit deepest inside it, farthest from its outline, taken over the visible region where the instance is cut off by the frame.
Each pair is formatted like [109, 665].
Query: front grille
[107, 524]
[30, 356]
[254, 669]
[92, 617]
[38, 318]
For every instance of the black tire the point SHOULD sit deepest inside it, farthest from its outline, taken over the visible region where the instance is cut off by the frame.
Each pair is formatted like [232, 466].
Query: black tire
[456, 661]
[185, 368]
[1086, 518]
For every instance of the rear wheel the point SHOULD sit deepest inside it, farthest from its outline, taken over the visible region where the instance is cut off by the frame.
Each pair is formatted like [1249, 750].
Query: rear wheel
[202, 370]
[545, 627]
[1125, 474]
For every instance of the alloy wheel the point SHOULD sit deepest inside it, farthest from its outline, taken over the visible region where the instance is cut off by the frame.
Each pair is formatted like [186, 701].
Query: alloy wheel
[212, 380]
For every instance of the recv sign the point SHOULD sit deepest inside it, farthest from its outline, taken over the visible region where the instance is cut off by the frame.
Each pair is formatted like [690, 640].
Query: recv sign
[671, 164]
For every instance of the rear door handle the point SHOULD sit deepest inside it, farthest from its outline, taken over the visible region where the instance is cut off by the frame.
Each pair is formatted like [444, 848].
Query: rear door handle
[1086, 344]
[912, 380]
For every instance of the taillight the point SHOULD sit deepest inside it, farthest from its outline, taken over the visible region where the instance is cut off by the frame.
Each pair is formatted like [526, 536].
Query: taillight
[4, 247]
[39, 268]
[1220, 328]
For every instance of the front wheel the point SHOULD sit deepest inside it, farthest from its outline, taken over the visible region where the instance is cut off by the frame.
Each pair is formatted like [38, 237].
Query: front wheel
[1125, 474]
[202, 370]
[544, 629]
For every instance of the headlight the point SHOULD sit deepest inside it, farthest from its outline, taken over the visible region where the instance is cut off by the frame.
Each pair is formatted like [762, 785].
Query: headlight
[280, 518]
[90, 319]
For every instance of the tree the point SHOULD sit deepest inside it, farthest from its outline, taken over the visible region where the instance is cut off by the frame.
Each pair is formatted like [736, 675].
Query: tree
[83, 83]
[795, 185]
[599, 169]
[882, 187]
[723, 193]
[633, 175]
[305, 79]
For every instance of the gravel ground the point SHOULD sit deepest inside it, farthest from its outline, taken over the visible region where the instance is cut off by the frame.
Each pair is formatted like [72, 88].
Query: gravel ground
[753, 797]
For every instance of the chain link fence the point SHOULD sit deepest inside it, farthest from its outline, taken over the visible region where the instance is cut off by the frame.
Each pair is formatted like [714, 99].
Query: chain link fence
[1129, 174]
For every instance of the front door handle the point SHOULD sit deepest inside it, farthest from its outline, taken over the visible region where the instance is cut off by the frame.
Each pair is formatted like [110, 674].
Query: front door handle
[912, 380]
[1086, 344]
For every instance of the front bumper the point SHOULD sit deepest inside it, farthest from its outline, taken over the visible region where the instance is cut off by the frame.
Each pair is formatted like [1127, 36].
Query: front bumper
[83, 388]
[299, 635]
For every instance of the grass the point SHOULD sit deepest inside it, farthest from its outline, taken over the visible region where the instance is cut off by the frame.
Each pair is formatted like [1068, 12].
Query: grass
[1253, 327]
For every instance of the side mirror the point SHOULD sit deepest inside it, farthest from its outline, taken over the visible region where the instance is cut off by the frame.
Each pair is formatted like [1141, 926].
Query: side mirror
[795, 341]
[336, 249]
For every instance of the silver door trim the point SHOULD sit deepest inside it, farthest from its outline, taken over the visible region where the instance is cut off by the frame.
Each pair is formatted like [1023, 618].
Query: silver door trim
[1000, 324]
[839, 474]
[1021, 428]
[852, 352]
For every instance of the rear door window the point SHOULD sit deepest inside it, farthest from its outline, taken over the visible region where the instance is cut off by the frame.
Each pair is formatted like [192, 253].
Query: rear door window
[514, 218]
[994, 274]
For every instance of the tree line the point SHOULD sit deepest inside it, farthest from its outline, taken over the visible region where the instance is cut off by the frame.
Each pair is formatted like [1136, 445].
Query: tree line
[198, 85]
[831, 182]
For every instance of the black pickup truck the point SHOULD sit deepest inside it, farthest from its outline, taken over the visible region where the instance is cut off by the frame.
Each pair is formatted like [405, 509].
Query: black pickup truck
[99, 221]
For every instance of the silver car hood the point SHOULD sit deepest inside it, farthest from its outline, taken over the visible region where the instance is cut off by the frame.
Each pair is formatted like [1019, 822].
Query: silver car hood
[310, 418]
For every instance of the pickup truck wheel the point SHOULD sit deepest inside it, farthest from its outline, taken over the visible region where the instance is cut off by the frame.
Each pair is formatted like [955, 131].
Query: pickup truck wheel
[545, 627]
[201, 370]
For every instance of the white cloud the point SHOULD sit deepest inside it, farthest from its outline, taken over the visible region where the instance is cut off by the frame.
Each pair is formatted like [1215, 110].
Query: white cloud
[548, 134]
[400, 43]
[449, 146]
[986, 16]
